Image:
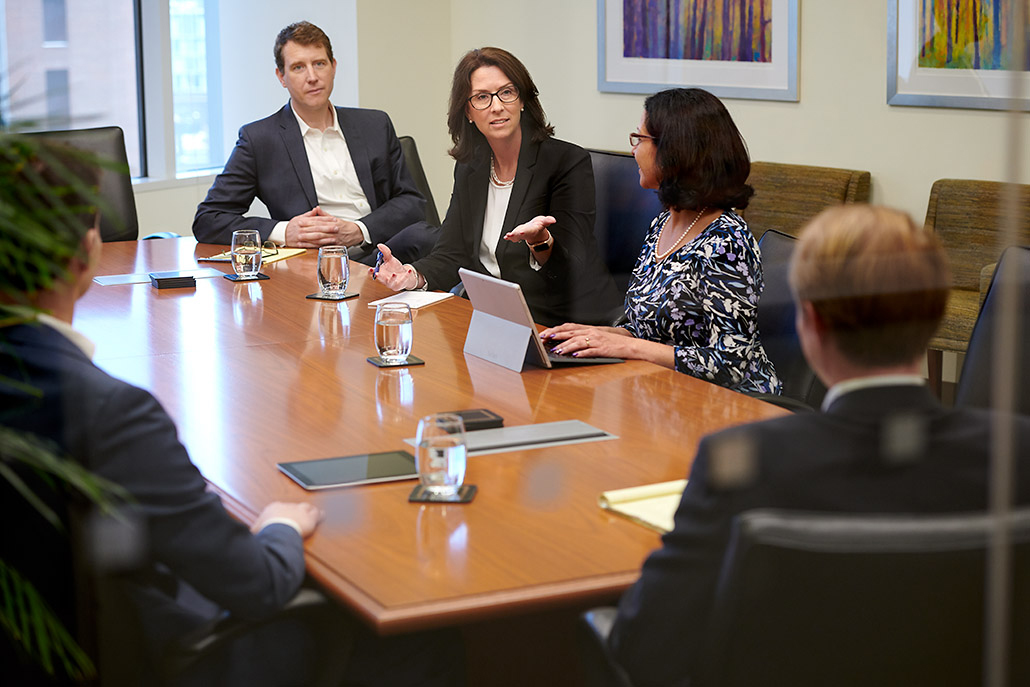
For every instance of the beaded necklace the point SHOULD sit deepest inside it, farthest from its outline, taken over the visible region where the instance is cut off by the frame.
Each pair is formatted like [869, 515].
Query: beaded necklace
[661, 256]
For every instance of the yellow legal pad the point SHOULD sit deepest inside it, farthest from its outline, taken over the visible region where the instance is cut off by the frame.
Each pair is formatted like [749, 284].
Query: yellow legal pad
[650, 505]
[267, 257]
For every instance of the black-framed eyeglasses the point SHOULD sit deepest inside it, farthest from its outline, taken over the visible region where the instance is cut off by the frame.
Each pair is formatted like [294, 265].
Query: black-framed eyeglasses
[635, 139]
[508, 94]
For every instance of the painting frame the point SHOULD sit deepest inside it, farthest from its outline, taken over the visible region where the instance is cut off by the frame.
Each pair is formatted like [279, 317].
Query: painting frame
[911, 85]
[777, 80]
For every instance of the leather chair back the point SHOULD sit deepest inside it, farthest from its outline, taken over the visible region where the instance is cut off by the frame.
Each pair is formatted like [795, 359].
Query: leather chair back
[787, 196]
[118, 221]
[776, 327]
[414, 164]
[812, 599]
[979, 370]
[624, 212]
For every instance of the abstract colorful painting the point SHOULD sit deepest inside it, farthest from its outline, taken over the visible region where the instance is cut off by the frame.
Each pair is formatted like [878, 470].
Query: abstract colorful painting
[958, 53]
[727, 30]
[966, 34]
[733, 48]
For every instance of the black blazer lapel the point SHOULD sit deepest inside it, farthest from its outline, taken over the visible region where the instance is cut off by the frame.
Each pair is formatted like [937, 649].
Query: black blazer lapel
[358, 154]
[476, 186]
[523, 180]
[289, 130]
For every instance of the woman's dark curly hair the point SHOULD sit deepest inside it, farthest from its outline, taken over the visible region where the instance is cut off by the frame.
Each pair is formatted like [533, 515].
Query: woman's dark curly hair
[465, 136]
[702, 158]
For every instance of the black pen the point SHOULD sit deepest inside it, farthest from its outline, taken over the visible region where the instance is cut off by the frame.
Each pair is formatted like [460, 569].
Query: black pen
[379, 263]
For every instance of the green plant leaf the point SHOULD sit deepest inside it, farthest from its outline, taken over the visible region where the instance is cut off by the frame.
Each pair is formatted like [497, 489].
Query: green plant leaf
[29, 621]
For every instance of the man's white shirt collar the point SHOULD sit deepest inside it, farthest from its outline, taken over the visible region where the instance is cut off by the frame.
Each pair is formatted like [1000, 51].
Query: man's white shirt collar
[304, 128]
[78, 338]
[848, 385]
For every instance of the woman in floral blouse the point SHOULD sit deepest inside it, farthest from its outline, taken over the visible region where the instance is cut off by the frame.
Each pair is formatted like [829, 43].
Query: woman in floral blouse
[692, 301]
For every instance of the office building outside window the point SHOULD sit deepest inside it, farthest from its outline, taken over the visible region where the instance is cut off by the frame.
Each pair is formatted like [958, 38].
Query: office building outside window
[196, 85]
[70, 64]
[55, 21]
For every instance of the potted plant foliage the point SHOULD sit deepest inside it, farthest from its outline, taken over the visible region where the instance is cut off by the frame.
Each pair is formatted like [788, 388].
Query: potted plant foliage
[39, 234]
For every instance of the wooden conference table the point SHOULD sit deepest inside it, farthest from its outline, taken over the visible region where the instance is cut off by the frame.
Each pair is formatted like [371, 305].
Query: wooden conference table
[254, 374]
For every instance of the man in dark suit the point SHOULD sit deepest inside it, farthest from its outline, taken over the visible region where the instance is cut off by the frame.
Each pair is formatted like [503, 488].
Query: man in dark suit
[193, 560]
[870, 289]
[49, 388]
[328, 175]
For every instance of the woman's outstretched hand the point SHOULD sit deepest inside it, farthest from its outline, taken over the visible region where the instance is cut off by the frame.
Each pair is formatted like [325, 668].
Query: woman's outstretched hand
[391, 272]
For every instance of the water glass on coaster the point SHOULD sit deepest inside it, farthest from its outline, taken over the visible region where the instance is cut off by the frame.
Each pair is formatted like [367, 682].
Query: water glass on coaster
[440, 457]
[246, 255]
[333, 274]
[393, 335]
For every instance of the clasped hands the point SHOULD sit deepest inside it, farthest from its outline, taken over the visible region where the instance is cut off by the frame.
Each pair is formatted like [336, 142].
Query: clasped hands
[317, 228]
[399, 277]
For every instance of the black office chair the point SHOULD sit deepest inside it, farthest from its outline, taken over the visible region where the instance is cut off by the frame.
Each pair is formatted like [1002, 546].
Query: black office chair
[93, 590]
[979, 368]
[821, 599]
[118, 220]
[802, 389]
[624, 212]
[418, 174]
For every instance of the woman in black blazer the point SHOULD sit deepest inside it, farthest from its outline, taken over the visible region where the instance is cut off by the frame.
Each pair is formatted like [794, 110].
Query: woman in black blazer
[522, 207]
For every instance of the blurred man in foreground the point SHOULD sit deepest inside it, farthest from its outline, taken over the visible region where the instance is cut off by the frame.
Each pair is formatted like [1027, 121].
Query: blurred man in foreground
[870, 289]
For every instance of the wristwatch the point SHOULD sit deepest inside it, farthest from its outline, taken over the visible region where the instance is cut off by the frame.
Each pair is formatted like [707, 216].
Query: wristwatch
[543, 245]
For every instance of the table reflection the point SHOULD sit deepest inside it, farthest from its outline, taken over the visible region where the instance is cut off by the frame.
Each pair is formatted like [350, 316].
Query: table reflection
[248, 305]
[442, 539]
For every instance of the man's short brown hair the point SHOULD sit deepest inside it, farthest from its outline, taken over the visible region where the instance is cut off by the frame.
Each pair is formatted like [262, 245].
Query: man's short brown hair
[877, 281]
[301, 33]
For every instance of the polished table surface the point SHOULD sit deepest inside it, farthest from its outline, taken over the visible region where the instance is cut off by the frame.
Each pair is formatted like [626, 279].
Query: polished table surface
[255, 374]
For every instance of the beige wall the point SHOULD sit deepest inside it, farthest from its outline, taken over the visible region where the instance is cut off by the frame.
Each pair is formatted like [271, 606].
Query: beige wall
[407, 49]
[841, 120]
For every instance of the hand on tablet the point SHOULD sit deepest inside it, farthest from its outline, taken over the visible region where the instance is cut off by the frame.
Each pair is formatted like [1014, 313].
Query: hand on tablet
[305, 515]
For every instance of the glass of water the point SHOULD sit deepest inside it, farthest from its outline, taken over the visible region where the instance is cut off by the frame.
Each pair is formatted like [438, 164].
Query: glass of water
[393, 332]
[246, 253]
[333, 271]
[440, 454]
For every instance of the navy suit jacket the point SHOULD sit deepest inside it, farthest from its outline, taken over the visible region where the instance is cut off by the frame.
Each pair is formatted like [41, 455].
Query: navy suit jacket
[835, 462]
[269, 162]
[554, 178]
[122, 433]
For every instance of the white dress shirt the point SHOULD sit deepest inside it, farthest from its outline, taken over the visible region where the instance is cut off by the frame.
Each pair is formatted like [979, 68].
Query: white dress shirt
[337, 188]
[497, 198]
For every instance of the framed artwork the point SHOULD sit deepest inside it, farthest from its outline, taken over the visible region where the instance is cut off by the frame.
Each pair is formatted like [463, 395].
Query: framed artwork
[956, 53]
[732, 48]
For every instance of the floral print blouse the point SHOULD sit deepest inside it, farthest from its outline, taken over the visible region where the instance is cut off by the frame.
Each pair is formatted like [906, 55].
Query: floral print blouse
[703, 301]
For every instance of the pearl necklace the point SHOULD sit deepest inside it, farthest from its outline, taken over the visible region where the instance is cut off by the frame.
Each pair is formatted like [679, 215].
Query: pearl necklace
[674, 246]
[493, 177]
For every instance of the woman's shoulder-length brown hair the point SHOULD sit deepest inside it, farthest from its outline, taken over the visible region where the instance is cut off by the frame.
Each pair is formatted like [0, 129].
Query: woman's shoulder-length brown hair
[465, 136]
[701, 156]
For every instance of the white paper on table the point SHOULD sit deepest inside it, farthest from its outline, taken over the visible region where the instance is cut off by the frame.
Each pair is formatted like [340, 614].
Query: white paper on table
[414, 299]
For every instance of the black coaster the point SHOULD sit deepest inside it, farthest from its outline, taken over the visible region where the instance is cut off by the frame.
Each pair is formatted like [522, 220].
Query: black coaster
[420, 494]
[410, 360]
[236, 277]
[321, 297]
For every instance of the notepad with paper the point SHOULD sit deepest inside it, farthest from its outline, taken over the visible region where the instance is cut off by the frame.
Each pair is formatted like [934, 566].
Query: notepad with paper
[267, 256]
[650, 505]
[414, 299]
